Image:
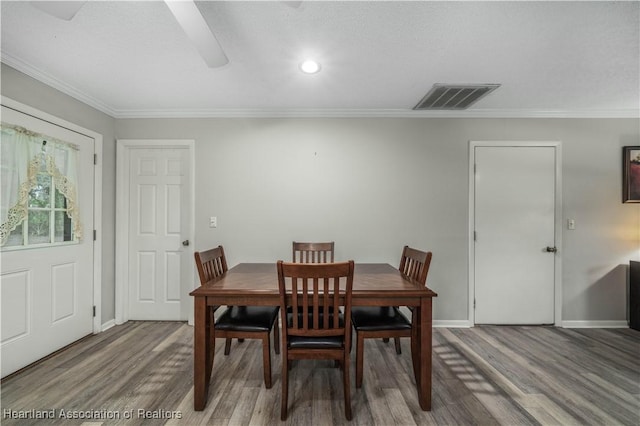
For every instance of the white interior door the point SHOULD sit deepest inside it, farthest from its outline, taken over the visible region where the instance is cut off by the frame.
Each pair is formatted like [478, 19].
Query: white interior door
[160, 260]
[47, 290]
[514, 224]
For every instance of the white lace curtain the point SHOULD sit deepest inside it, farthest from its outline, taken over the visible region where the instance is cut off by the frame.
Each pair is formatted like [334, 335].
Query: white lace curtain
[24, 154]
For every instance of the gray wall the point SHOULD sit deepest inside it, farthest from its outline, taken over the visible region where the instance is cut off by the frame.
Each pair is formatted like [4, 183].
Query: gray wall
[373, 185]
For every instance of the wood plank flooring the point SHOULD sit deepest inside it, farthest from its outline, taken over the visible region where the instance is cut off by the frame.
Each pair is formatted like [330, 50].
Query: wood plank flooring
[481, 376]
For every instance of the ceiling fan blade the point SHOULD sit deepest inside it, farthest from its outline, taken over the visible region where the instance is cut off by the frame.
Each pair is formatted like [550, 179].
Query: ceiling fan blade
[192, 22]
[60, 9]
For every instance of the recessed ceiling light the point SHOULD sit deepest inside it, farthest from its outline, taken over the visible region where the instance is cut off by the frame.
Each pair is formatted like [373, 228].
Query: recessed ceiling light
[309, 66]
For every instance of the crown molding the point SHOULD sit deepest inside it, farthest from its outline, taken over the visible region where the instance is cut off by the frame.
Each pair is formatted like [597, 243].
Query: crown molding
[55, 83]
[75, 93]
[373, 113]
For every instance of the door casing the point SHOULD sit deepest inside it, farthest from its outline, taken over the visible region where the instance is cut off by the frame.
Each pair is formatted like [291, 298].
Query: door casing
[557, 225]
[123, 151]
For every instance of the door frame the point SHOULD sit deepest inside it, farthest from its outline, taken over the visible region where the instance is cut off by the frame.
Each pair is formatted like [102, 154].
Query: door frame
[123, 156]
[97, 196]
[557, 220]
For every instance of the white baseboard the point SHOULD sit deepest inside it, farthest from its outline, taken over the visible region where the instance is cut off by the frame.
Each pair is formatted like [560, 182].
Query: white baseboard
[107, 325]
[595, 324]
[565, 324]
[451, 324]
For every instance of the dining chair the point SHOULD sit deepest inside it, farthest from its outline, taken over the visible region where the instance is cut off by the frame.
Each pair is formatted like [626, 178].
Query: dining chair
[388, 321]
[240, 322]
[313, 252]
[317, 330]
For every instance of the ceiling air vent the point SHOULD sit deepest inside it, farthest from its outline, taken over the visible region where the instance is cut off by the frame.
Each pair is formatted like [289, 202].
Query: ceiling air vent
[450, 96]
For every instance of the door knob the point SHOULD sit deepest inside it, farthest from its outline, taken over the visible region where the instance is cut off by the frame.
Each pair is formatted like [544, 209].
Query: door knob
[185, 243]
[552, 249]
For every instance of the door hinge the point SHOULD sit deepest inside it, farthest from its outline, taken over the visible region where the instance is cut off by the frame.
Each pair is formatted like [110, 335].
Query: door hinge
[474, 303]
[94, 311]
[475, 236]
[95, 235]
[475, 168]
[95, 159]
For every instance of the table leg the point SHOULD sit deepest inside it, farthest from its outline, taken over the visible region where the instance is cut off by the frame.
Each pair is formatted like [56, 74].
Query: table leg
[425, 349]
[202, 353]
[415, 340]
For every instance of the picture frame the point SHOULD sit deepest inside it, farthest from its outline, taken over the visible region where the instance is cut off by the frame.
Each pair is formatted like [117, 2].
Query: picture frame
[631, 174]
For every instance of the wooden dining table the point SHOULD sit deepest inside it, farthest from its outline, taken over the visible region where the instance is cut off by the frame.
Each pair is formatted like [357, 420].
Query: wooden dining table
[374, 284]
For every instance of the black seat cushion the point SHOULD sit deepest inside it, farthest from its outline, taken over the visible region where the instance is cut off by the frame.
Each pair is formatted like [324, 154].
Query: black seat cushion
[247, 318]
[378, 318]
[325, 342]
[306, 342]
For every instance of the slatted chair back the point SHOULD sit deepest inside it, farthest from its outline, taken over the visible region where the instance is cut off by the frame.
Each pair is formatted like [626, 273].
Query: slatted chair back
[211, 264]
[415, 264]
[319, 288]
[313, 252]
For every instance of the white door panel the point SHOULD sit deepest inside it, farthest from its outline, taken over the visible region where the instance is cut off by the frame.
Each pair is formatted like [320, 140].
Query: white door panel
[159, 203]
[514, 224]
[47, 292]
[16, 297]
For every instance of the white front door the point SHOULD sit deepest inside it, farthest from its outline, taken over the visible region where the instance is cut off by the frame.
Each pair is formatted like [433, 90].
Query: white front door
[47, 289]
[515, 207]
[159, 212]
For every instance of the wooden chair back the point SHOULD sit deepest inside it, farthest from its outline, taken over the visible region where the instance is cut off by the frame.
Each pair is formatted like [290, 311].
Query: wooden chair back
[313, 252]
[415, 264]
[211, 263]
[319, 288]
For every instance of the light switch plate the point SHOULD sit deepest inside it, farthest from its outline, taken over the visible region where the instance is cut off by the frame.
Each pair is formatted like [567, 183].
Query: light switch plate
[213, 222]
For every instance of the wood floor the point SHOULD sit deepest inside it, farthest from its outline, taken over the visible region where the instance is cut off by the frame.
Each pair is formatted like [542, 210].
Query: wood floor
[482, 375]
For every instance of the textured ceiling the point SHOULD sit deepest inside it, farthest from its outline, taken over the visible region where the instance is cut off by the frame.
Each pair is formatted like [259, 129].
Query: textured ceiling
[132, 59]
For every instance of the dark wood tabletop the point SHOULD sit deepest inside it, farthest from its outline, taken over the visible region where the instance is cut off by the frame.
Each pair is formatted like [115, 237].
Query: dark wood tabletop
[370, 280]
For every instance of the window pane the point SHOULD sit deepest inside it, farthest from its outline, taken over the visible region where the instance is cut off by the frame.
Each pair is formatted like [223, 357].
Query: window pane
[40, 196]
[39, 226]
[15, 238]
[63, 230]
[61, 200]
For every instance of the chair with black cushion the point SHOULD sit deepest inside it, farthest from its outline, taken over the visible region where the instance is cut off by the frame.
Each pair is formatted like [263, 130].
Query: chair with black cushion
[317, 330]
[211, 264]
[239, 322]
[387, 321]
[313, 252]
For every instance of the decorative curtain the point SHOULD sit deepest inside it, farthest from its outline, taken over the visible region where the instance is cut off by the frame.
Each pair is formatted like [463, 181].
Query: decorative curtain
[24, 154]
